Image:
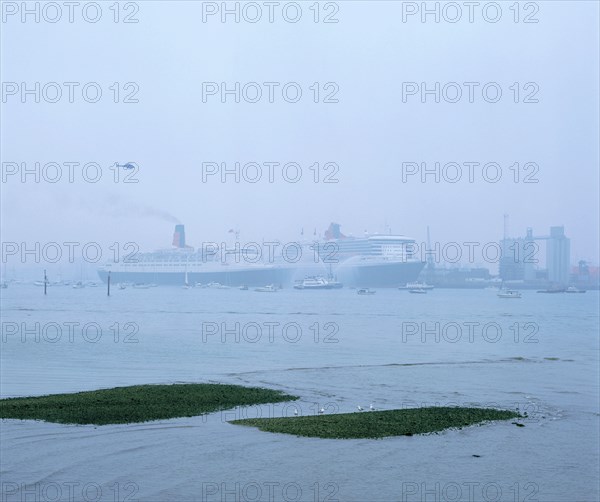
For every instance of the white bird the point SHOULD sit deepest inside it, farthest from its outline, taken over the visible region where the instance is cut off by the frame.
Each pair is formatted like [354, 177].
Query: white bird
[360, 408]
[371, 407]
[322, 410]
[296, 411]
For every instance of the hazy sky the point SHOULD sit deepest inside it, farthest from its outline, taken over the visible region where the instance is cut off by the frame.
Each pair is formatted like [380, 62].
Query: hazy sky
[369, 133]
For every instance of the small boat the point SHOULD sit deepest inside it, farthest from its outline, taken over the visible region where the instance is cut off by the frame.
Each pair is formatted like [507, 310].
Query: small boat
[417, 291]
[270, 288]
[335, 284]
[314, 282]
[416, 285]
[186, 284]
[243, 287]
[216, 285]
[122, 285]
[78, 285]
[142, 285]
[41, 283]
[509, 293]
[573, 289]
[365, 291]
[332, 279]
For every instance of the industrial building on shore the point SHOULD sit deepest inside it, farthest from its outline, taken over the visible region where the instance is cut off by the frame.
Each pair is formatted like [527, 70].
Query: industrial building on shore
[519, 266]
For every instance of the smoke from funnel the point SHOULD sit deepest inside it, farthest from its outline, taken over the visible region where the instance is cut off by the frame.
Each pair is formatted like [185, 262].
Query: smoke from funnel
[115, 205]
[151, 212]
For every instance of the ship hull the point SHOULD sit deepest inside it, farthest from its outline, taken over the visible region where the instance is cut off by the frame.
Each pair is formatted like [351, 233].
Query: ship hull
[277, 276]
[379, 274]
[373, 275]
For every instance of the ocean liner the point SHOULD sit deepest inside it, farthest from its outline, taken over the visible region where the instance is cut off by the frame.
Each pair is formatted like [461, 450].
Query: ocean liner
[182, 264]
[371, 261]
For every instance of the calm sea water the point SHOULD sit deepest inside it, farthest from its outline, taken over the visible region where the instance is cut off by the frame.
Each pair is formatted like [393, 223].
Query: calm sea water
[336, 350]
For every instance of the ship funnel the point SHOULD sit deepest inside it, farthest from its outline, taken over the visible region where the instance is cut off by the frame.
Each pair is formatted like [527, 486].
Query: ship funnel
[179, 236]
[333, 232]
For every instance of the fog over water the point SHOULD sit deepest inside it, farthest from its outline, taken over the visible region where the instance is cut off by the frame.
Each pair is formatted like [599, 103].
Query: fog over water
[125, 125]
[369, 132]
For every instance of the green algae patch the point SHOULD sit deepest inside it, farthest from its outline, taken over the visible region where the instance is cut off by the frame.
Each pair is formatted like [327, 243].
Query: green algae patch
[379, 424]
[138, 403]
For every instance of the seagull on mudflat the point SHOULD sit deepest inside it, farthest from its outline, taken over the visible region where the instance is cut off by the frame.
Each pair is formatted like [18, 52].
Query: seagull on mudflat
[296, 412]
[322, 410]
[360, 408]
[371, 407]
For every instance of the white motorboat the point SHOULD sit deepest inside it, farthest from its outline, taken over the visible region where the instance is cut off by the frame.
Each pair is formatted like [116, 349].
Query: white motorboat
[315, 282]
[270, 288]
[216, 285]
[365, 291]
[142, 285]
[509, 293]
[417, 285]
